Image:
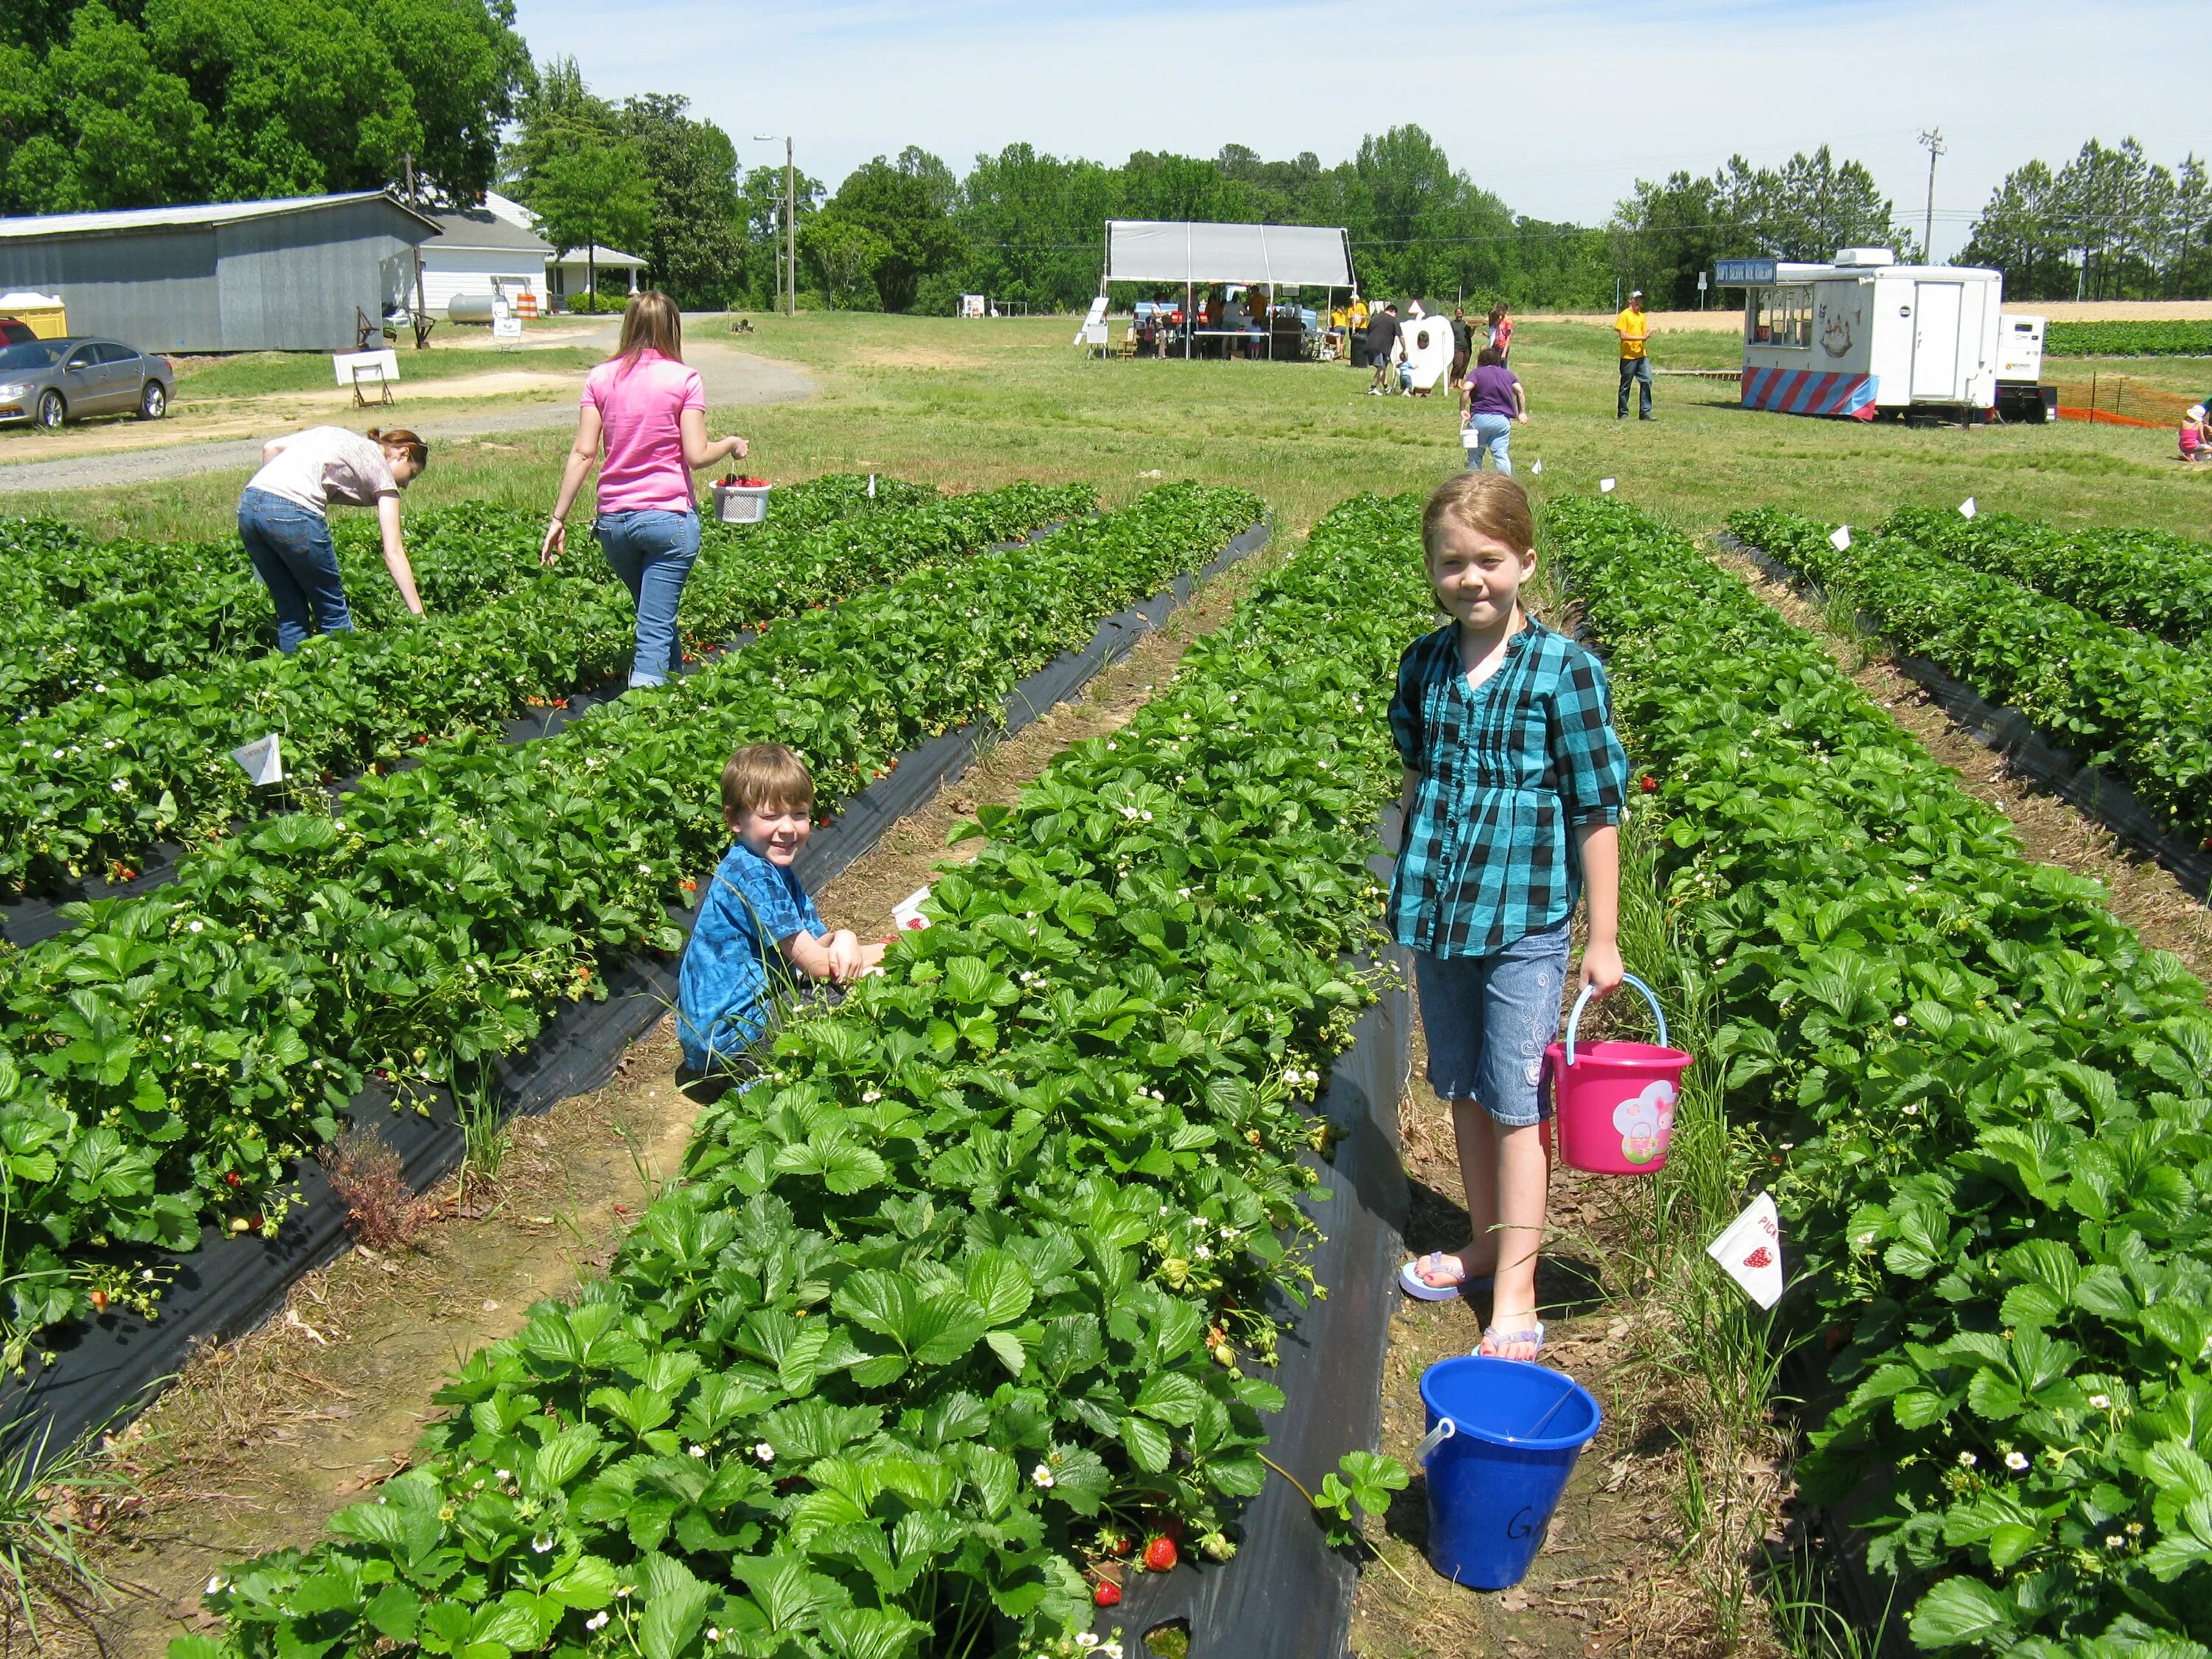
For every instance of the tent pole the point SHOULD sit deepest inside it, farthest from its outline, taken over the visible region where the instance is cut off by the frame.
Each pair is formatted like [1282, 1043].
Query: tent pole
[1190, 319]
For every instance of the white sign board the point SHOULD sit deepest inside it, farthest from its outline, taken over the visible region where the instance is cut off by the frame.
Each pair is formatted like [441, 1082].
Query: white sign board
[261, 760]
[907, 913]
[1841, 539]
[507, 328]
[1750, 1251]
[367, 367]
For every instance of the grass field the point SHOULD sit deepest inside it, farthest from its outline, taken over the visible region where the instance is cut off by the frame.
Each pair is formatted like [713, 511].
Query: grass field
[974, 404]
[257, 374]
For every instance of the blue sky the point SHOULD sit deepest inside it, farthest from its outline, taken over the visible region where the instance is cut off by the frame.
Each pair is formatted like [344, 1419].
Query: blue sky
[1558, 107]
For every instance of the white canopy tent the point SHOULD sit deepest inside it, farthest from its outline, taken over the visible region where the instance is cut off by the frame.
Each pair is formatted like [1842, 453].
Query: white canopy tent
[1176, 251]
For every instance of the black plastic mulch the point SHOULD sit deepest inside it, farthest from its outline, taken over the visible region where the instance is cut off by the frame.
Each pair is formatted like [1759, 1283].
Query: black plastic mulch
[107, 1371]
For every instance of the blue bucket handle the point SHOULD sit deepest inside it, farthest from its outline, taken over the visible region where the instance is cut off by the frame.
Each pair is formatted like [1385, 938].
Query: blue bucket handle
[1588, 991]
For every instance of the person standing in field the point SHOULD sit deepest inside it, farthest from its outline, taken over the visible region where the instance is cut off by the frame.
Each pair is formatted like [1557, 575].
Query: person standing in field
[649, 411]
[1381, 342]
[1462, 345]
[283, 518]
[1501, 333]
[1512, 795]
[1492, 401]
[1634, 329]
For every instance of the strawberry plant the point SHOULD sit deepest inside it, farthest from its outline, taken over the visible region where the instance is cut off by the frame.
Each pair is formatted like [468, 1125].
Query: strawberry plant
[114, 770]
[1980, 1102]
[2128, 339]
[904, 1336]
[217, 1028]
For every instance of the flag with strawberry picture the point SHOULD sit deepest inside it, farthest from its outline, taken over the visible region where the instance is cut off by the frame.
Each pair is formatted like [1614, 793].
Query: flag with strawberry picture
[1749, 1251]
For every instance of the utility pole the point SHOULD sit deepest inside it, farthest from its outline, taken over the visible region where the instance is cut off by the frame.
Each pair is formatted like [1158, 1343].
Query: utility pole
[787, 256]
[1933, 138]
[422, 318]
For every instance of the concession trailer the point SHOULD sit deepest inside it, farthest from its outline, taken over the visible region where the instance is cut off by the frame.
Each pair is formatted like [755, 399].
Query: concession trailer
[1864, 336]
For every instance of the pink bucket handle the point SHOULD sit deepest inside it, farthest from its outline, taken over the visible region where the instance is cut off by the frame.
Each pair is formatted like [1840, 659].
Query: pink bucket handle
[1588, 991]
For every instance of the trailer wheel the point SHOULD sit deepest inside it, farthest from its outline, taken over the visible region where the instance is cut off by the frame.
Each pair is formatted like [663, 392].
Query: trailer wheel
[52, 411]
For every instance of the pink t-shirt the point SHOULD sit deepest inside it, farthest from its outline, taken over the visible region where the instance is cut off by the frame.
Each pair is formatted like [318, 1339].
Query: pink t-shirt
[640, 405]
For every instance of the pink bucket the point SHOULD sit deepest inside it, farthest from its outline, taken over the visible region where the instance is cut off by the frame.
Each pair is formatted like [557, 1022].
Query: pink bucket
[1615, 1100]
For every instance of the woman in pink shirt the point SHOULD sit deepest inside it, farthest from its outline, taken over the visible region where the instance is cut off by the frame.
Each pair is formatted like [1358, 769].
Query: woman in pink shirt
[650, 411]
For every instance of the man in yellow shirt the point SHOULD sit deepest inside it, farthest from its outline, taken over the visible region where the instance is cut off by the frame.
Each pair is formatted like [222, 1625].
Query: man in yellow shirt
[1634, 329]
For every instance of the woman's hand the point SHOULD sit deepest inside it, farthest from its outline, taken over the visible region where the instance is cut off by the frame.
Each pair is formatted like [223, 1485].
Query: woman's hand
[737, 447]
[557, 541]
[1601, 968]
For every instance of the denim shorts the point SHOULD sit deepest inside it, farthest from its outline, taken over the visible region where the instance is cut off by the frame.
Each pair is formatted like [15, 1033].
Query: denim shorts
[1488, 1020]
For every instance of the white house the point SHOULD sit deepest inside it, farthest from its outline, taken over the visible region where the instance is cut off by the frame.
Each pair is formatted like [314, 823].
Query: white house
[570, 273]
[478, 254]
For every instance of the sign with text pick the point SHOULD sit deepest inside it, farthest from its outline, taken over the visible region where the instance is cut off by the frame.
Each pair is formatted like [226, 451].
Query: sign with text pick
[1841, 540]
[907, 913]
[1750, 1251]
[261, 760]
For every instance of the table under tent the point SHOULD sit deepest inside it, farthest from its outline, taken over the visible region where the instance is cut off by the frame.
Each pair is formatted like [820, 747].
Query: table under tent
[1254, 275]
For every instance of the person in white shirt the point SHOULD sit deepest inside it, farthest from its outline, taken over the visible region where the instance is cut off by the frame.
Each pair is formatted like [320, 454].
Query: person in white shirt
[285, 520]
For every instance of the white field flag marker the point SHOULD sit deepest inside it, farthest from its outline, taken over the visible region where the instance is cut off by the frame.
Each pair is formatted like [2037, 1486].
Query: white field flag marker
[872, 486]
[907, 913]
[1605, 486]
[1537, 468]
[1750, 1251]
[1966, 508]
[1841, 541]
[261, 760]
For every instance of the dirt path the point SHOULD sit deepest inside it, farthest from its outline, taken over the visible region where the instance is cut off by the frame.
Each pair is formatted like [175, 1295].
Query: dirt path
[130, 451]
[264, 1438]
[2139, 892]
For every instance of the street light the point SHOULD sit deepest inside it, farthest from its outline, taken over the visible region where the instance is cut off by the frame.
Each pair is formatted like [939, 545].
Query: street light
[789, 262]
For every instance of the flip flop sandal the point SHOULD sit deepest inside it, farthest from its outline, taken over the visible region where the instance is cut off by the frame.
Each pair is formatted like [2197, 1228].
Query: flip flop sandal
[1411, 1282]
[1492, 1337]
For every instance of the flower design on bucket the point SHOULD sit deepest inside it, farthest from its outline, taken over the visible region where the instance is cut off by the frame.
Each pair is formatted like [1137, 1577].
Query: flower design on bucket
[1645, 1120]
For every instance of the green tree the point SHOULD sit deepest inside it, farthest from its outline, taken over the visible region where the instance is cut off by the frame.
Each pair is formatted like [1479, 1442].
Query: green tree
[695, 240]
[898, 203]
[591, 197]
[103, 125]
[844, 254]
[2022, 232]
[557, 112]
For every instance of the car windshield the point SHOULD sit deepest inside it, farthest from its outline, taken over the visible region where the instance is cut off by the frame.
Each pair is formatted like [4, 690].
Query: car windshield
[15, 359]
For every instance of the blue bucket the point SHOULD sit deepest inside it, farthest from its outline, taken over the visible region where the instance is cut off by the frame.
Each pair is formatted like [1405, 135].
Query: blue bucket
[1504, 1436]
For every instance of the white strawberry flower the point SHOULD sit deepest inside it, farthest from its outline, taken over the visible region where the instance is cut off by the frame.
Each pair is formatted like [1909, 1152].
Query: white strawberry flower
[765, 1452]
[1043, 1476]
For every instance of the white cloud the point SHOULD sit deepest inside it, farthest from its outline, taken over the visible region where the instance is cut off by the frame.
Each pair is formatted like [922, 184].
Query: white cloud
[1557, 107]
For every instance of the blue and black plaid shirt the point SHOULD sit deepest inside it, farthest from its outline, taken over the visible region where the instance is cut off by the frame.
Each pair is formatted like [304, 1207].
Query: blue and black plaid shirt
[1508, 770]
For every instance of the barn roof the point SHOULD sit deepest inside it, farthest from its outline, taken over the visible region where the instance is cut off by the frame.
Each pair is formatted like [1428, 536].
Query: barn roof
[191, 215]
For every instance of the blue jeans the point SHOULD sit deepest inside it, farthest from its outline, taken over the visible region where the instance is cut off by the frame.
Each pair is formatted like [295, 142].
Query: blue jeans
[292, 554]
[1638, 369]
[653, 552]
[1488, 1020]
[1493, 433]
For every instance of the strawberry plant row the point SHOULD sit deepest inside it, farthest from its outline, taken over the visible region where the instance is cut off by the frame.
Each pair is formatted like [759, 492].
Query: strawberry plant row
[76, 613]
[110, 773]
[1981, 1103]
[2149, 579]
[2129, 703]
[2127, 339]
[967, 1287]
[163, 1060]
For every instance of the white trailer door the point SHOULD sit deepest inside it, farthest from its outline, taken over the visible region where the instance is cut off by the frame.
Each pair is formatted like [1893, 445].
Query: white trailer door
[1935, 342]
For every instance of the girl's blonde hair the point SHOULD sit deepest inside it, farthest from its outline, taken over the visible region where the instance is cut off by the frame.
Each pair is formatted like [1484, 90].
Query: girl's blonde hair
[650, 322]
[403, 442]
[1489, 503]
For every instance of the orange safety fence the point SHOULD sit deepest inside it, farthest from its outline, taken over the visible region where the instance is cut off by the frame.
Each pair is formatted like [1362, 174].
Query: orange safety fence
[2120, 400]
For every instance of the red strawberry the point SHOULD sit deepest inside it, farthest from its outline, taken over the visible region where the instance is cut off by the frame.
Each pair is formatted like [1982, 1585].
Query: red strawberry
[1107, 1594]
[100, 1301]
[1650, 784]
[1761, 1257]
[231, 1175]
[1159, 1553]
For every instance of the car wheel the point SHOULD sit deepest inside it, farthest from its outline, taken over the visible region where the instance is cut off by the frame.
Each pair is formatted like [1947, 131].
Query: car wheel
[153, 402]
[52, 411]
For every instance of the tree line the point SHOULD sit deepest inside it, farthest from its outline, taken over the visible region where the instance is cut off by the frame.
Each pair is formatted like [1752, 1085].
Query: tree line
[2111, 224]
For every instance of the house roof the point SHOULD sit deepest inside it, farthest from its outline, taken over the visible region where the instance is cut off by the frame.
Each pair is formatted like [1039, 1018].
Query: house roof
[201, 212]
[605, 256]
[480, 231]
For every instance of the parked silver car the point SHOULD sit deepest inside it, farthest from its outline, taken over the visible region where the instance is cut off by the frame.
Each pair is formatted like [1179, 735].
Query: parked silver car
[54, 381]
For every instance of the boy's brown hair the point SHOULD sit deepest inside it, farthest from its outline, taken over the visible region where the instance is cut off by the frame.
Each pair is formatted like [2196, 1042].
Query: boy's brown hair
[765, 774]
[1489, 503]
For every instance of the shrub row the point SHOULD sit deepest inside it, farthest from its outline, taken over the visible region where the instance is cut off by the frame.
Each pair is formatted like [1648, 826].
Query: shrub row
[2151, 579]
[2128, 702]
[161, 1061]
[76, 613]
[2167, 339]
[967, 1285]
[106, 776]
[1984, 1104]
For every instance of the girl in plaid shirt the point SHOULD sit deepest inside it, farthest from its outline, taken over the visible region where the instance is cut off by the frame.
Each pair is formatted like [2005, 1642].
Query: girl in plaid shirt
[1513, 788]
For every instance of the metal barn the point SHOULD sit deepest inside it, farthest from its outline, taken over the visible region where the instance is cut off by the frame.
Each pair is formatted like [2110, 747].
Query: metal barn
[292, 275]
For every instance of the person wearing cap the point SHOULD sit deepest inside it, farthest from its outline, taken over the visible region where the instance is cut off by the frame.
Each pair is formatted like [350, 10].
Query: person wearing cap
[1634, 329]
[2196, 440]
